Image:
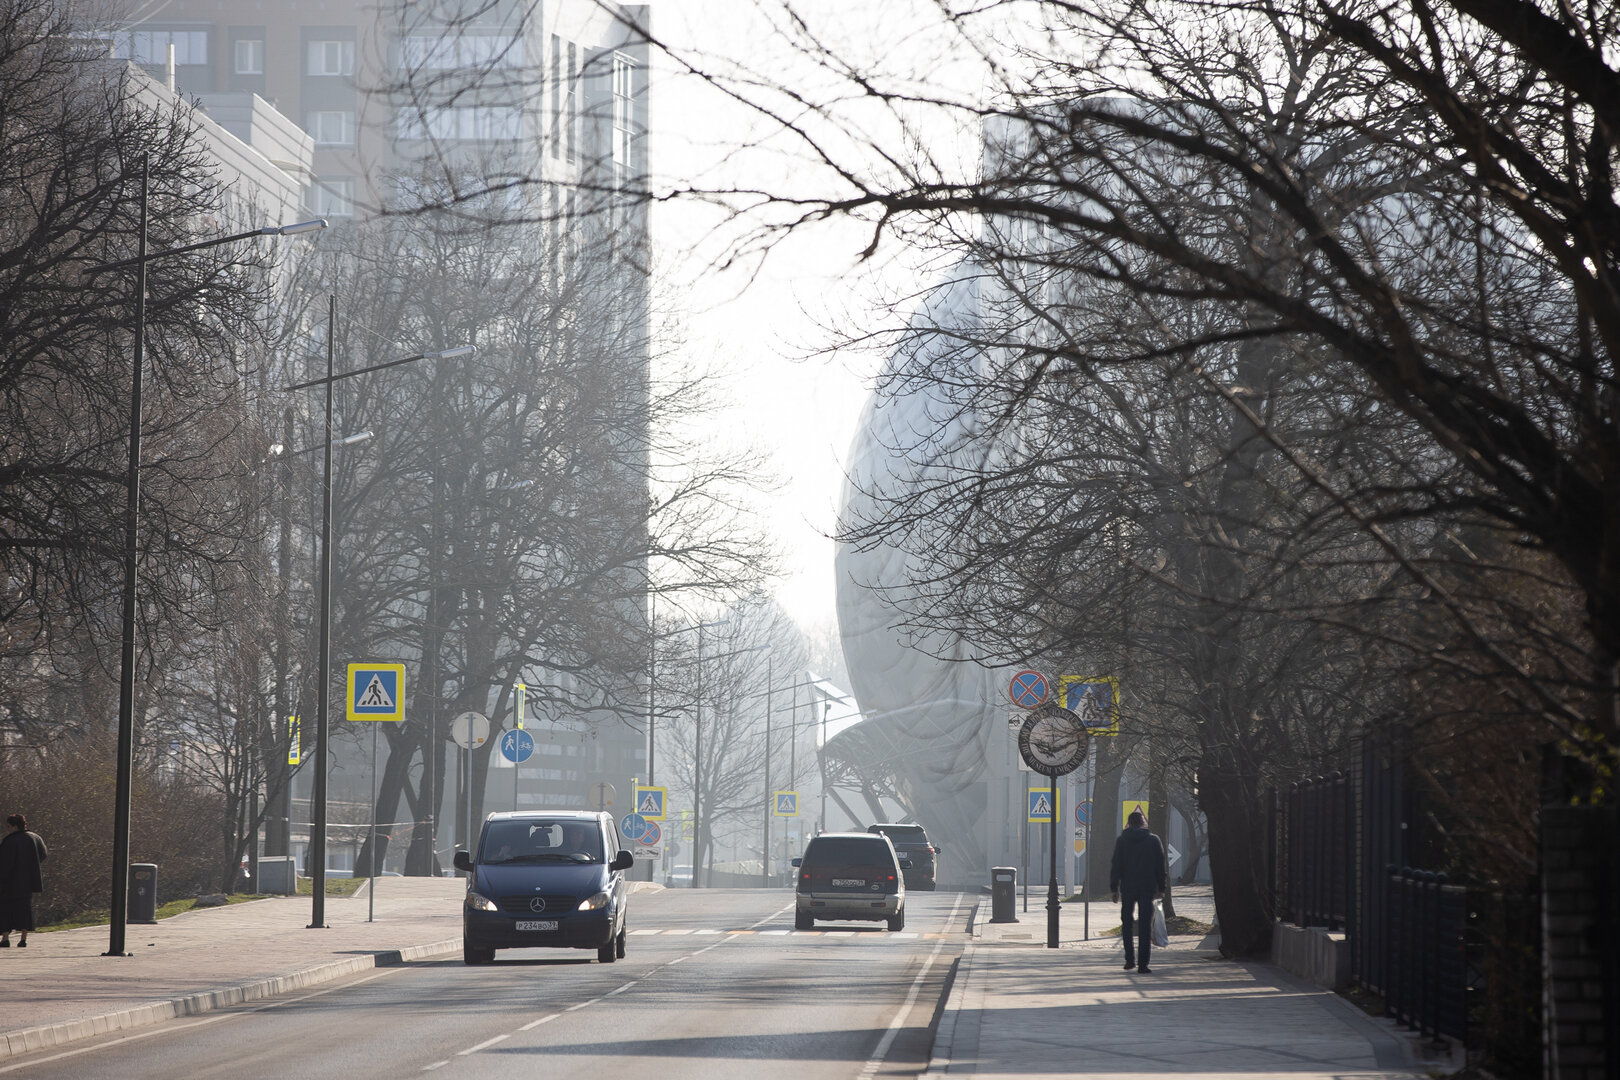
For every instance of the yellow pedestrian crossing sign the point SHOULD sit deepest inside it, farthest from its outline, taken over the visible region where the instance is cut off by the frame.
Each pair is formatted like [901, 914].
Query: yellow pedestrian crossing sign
[787, 804]
[377, 691]
[1042, 804]
[687, 827]
[294, 744]
[650, 802]
[1125, 811]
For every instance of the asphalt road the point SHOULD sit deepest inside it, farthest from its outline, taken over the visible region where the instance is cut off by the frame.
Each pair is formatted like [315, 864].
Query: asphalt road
[715, 983]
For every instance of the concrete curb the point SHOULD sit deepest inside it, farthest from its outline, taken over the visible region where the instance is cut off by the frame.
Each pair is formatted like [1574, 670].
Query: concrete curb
[156, 1012]
[939, 1058]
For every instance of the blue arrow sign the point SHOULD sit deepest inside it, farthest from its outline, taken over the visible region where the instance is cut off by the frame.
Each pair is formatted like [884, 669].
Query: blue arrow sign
[633, 826]
[516, 746]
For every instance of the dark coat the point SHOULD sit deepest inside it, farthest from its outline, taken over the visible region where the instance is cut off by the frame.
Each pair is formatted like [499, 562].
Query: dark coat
[20, 856]
[1138, 867]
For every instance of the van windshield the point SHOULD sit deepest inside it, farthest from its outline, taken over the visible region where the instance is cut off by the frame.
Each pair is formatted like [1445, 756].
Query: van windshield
[541, 840]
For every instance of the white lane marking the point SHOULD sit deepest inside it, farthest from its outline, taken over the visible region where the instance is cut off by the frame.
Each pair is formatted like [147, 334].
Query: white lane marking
[486, 1044]
[584, 1004]
[621, 989]
[643, 932]
[178, 1028]
[708, 931]
[677, 960]
[537, 1023]
[436, 1065]
[875, 1062]
[838, 933]
[675, 933]
[777, 933]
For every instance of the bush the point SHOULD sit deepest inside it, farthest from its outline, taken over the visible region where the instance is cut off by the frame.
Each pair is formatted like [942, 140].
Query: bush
[66, 791]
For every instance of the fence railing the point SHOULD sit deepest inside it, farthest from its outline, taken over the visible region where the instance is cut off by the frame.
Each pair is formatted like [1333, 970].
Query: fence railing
[1425, 953]
[1320, 862]
[1343, 849]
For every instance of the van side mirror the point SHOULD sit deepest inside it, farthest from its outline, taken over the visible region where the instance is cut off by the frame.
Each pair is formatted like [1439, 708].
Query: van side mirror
[798, 862]
[938, 849]
[463, 861]
[622, 861]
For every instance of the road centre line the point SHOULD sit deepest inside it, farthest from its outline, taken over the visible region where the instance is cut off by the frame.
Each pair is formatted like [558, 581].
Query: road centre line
[483, 1045]
[177, 1028]
[875, 1062]
[537, 1023]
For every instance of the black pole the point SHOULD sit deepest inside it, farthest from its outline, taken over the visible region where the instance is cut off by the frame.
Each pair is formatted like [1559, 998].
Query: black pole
[1051, 874]
[126, 660]
[697, 772]
[770, 800]
[317, 831]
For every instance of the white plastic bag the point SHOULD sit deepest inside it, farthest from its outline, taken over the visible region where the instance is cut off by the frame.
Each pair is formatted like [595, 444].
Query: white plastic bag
[1161, 936]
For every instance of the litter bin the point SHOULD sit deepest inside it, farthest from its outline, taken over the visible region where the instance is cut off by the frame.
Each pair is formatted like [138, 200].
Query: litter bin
[1003, 894]
[142, 904]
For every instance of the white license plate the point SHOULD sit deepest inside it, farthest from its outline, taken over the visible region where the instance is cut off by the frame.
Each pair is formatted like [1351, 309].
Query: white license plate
[847, 881]
[537, 924]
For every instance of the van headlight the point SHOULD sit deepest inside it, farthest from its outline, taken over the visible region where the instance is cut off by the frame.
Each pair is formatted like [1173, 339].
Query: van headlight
[597, 902]
[480, 902]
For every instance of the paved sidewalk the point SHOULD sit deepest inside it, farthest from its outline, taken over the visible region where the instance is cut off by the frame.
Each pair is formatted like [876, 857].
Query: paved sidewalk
[64, 989]
[1019, 1009]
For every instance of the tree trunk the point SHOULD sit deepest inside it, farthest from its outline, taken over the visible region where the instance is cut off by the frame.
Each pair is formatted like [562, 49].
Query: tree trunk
[1236, 858]
[1111, 759]
[1159, 822]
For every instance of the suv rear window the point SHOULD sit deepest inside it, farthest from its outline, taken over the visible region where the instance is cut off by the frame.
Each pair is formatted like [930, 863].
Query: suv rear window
[903, 834]
[835, 850]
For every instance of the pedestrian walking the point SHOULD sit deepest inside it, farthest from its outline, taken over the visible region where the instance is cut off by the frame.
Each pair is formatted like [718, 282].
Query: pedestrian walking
[1138, 874]
[21, 853]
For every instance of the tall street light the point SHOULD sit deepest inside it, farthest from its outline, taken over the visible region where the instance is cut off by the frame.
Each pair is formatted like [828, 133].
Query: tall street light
[118, 924]
[317, 832]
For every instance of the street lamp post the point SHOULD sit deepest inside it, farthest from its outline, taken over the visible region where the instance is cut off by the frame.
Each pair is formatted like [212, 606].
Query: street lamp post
[119, 918]
[317, 831]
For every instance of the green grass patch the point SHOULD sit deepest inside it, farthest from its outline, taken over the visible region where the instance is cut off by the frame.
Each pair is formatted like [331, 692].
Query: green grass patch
[164, 911]
[335, 886]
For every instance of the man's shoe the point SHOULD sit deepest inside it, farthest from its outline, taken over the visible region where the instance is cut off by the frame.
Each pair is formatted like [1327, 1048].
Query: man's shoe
[5, 943]
[1145, 970]
[22, 944]
[1130, 965]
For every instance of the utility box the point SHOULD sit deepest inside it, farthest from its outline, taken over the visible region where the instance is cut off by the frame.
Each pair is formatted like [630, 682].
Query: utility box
[277, 874]
[141, 906]
[1003, 894]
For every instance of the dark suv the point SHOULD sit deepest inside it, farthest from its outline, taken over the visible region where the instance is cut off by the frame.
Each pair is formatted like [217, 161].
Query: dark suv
[545, 879]
[850, 876]
[911, 842]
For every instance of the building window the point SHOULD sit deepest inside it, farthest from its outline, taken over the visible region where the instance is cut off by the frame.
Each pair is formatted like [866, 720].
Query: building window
[481, 123]
[152, 46]
[571, 102]
[556, 96]
[331, 196]
[330, 58]
[332, 127]
[438, 52]
[249, 56]
[624, 118]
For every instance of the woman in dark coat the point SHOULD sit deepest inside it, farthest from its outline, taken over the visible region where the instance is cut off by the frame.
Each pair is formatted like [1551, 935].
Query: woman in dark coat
[21, 853]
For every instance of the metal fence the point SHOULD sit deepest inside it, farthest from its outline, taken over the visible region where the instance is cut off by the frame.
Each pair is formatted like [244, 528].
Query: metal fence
[1344, 847]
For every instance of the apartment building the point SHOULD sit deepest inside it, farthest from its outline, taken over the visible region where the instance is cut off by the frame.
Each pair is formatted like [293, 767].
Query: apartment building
[541, 105]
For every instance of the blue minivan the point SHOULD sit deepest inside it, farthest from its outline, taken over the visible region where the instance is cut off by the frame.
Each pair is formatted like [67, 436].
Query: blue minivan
[545, 879]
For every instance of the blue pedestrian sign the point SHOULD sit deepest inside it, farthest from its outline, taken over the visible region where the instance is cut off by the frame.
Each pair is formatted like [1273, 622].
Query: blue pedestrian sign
[634, 826]
[516, 746]
[650, 803]
[376, 692]
[786, 804]
[1042, 805]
